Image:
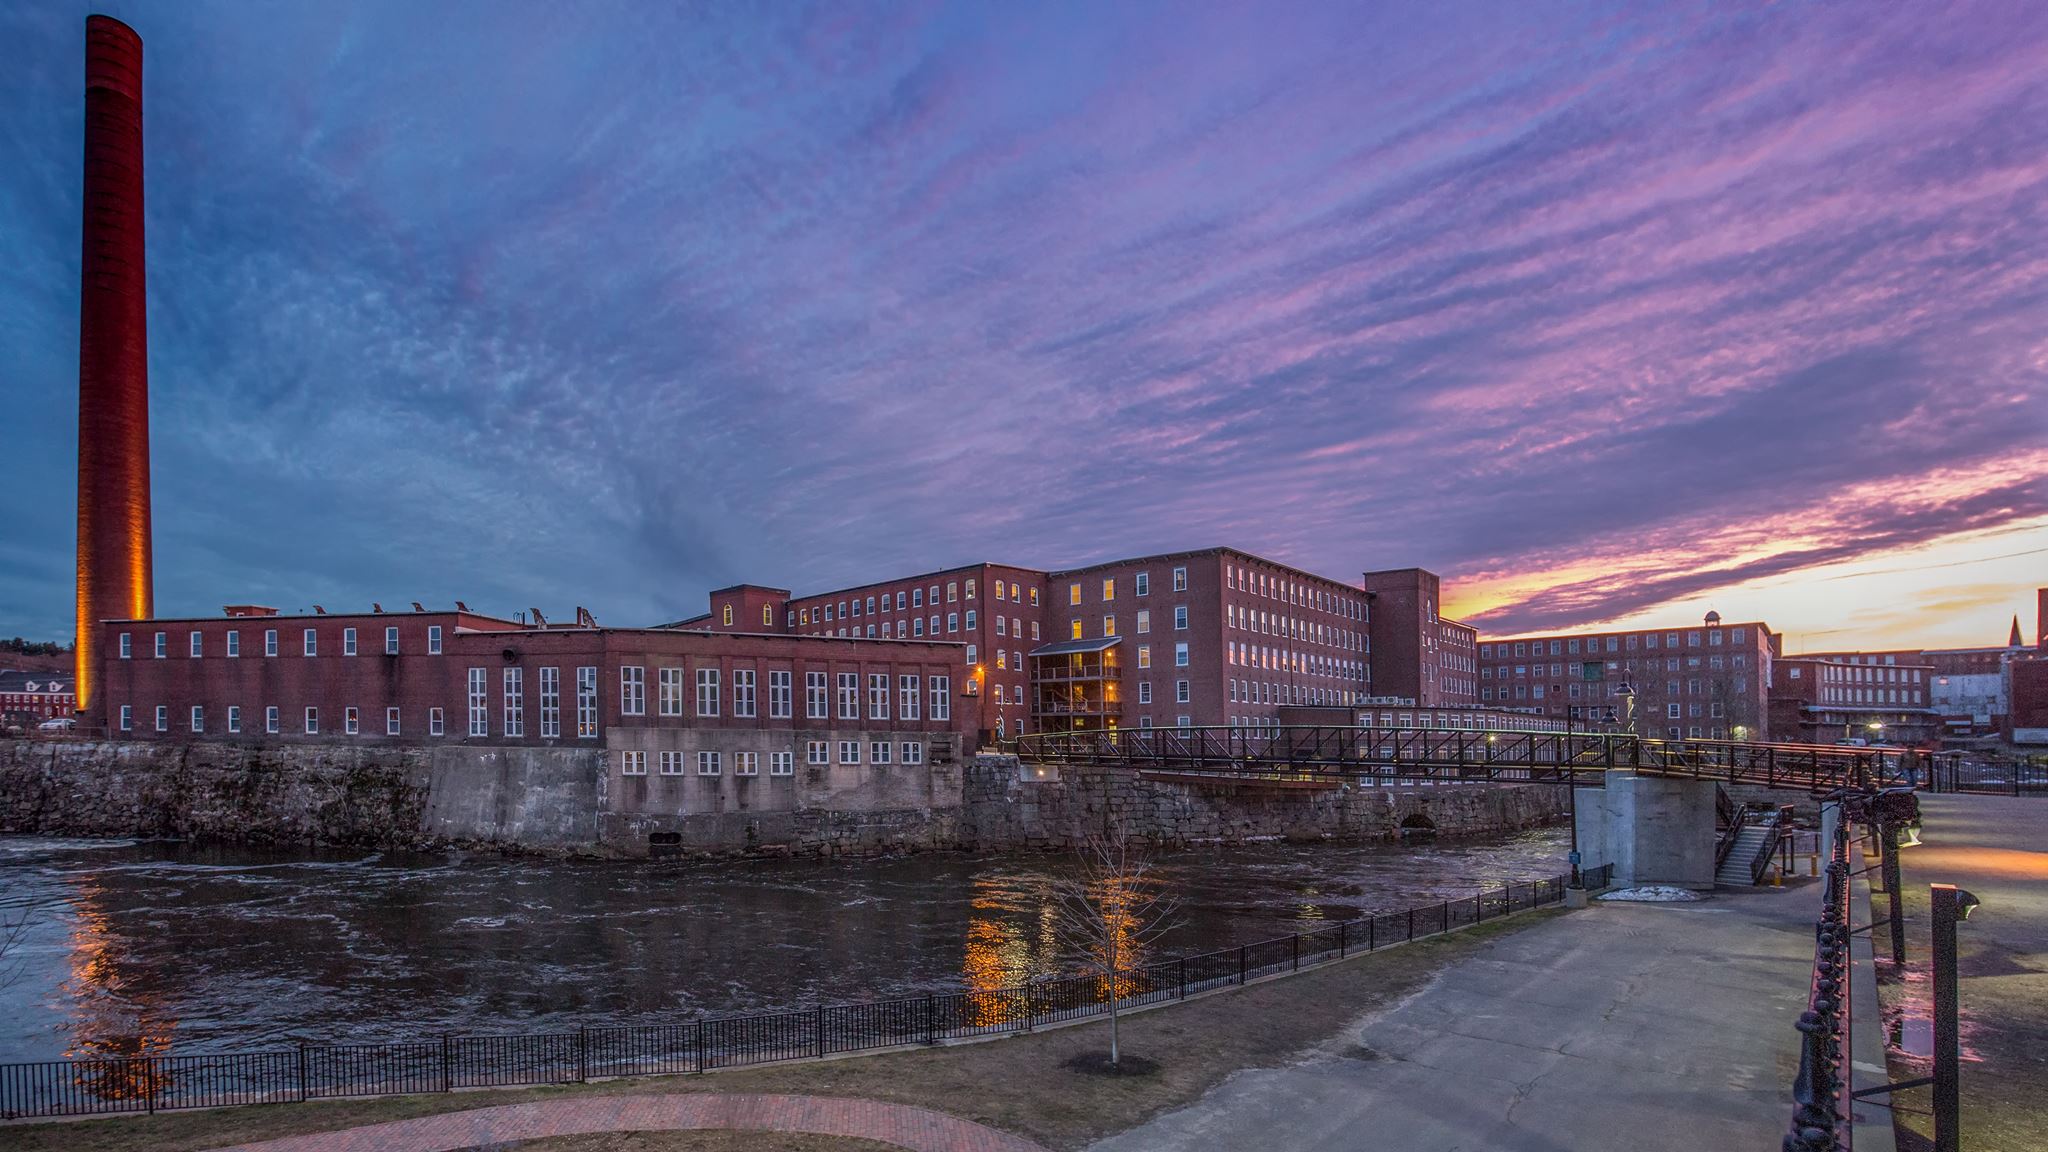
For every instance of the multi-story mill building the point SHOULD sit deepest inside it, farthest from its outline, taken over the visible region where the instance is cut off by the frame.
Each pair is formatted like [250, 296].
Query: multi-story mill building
[1706, 682]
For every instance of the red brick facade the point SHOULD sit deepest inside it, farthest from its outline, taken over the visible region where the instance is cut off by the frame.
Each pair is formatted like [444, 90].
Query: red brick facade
[1418, 654]
[466, 678]
[1705, 682]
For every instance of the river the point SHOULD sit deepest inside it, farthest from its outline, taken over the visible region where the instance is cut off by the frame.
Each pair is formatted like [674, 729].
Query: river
[153, 947]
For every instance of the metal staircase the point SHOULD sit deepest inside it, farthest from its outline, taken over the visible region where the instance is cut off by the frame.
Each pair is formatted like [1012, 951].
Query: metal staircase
[1736, 866]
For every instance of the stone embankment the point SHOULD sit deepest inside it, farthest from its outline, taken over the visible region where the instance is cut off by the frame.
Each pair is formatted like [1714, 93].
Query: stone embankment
[553, 801]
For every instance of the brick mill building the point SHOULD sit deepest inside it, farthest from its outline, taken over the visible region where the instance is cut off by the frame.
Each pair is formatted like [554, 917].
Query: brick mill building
[1711, 681]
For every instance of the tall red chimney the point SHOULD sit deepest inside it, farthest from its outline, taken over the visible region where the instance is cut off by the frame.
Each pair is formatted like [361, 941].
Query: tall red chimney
[114, 580]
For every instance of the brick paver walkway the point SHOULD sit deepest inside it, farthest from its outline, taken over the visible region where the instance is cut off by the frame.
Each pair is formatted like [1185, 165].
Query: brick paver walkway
[917, 1129]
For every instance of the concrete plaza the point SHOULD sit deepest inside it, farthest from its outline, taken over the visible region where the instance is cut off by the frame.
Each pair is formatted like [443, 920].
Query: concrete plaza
[1625, 1026]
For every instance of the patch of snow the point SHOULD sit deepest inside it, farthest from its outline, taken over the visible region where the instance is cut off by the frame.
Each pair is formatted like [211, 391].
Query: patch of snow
[1653, 894]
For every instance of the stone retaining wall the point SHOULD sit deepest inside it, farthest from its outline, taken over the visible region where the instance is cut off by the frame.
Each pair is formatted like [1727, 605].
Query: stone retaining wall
[550, 800]
[1005, 810]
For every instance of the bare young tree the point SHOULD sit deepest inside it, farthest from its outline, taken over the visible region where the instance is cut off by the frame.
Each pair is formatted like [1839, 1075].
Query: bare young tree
[13, 930]
[1108, 910]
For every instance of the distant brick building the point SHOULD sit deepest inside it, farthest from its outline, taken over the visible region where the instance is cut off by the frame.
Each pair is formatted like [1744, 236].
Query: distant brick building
[1710, 681]
[27, 698]
[1824, 700]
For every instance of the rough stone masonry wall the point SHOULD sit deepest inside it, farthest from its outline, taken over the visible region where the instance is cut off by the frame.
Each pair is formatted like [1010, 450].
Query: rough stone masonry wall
[539, 799]
[552, 801]
[1004, 811]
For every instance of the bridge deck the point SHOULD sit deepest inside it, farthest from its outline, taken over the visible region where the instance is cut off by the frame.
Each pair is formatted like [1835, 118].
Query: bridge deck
[1426, 755]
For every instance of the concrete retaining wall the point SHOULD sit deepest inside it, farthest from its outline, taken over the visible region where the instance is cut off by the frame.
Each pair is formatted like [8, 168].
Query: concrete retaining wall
[555, 801]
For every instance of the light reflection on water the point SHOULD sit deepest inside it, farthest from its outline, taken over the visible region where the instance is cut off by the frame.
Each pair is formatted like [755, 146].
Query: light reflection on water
[141, 947]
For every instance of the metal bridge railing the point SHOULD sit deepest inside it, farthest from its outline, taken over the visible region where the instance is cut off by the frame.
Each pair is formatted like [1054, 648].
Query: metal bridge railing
[1435, 754]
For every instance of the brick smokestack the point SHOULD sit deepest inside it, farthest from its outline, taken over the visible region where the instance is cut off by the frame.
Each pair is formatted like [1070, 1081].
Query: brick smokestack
[114, 578]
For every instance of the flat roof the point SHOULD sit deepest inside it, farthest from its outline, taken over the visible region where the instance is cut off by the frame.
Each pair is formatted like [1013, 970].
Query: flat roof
[1071, 647]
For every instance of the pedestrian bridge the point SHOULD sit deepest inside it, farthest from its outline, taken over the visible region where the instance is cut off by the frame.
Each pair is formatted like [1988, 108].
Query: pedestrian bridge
[1357, 755]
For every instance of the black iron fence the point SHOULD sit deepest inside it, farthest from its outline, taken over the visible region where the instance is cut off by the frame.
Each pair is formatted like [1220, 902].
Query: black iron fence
[1820, 1090]
[2003, 776]
[443, 1064]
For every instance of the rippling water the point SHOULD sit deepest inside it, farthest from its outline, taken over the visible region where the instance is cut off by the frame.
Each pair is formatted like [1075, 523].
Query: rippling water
[145, 946]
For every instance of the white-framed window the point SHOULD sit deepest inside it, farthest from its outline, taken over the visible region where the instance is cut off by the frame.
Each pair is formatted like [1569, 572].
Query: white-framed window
[1180, 655]
[746, 763]
[312, 721]
[163, 718]
[952, 621]
[907, 697]
[668, 687]
[1109, 625]
[849, 751]
[127, 645]
[1145, 691]
[1180, 692]
[1144, 655]
[1144, 621]
[197, 645]
[162, 646]
[817, 752]
[234, 717]
[1142, 584]
[849, 696]
[391, 639]
[479, 702]
[970, 620]
[878, 752]
[1182, 722]
[784, 763]
[913, 751]
[1180, 579]
[709, 763]
[234, 642]
[586, 702]
[1180, 617]
[743, 692]
[433, 639]
[392, 727]
[878, 696]
[633, 763]
[974, 653]
[550, 703]
[350, 723]
[779, 694]
[270, 719]
[632, 690]
[817, 700]
[348, 641]
[707, 691]
[671, 763]
[270, 641]
[436, 725]
[312, 641]
[514, 684]
[941, 696]
[198, 718]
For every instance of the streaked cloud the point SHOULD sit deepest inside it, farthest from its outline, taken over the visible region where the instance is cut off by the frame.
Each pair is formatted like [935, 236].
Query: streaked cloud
[1596, 310]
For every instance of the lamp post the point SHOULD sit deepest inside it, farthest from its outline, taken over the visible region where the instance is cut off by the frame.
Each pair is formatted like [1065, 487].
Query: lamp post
[1571, 712]
[1627, 692]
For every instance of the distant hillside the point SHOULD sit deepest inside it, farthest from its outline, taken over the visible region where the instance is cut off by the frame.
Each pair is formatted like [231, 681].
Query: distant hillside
[34, 656]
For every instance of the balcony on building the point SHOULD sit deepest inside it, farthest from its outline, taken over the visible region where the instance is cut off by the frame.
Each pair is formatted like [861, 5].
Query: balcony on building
[1077, 685]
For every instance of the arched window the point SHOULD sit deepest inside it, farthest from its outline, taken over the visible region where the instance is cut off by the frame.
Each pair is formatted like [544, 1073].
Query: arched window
[728, 615]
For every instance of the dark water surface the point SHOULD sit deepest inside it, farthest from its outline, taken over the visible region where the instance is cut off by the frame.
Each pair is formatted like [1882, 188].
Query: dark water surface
[150, 947]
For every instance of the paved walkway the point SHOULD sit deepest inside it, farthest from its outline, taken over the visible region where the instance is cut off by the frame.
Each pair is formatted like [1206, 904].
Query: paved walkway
[913, 1128]
[1996, 847]
[1626, 1026]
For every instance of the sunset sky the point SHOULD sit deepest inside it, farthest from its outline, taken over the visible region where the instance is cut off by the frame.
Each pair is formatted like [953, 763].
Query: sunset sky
[1604, 312]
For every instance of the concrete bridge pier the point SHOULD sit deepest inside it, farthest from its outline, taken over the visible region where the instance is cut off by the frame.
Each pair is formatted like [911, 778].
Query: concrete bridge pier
[1653, 829]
